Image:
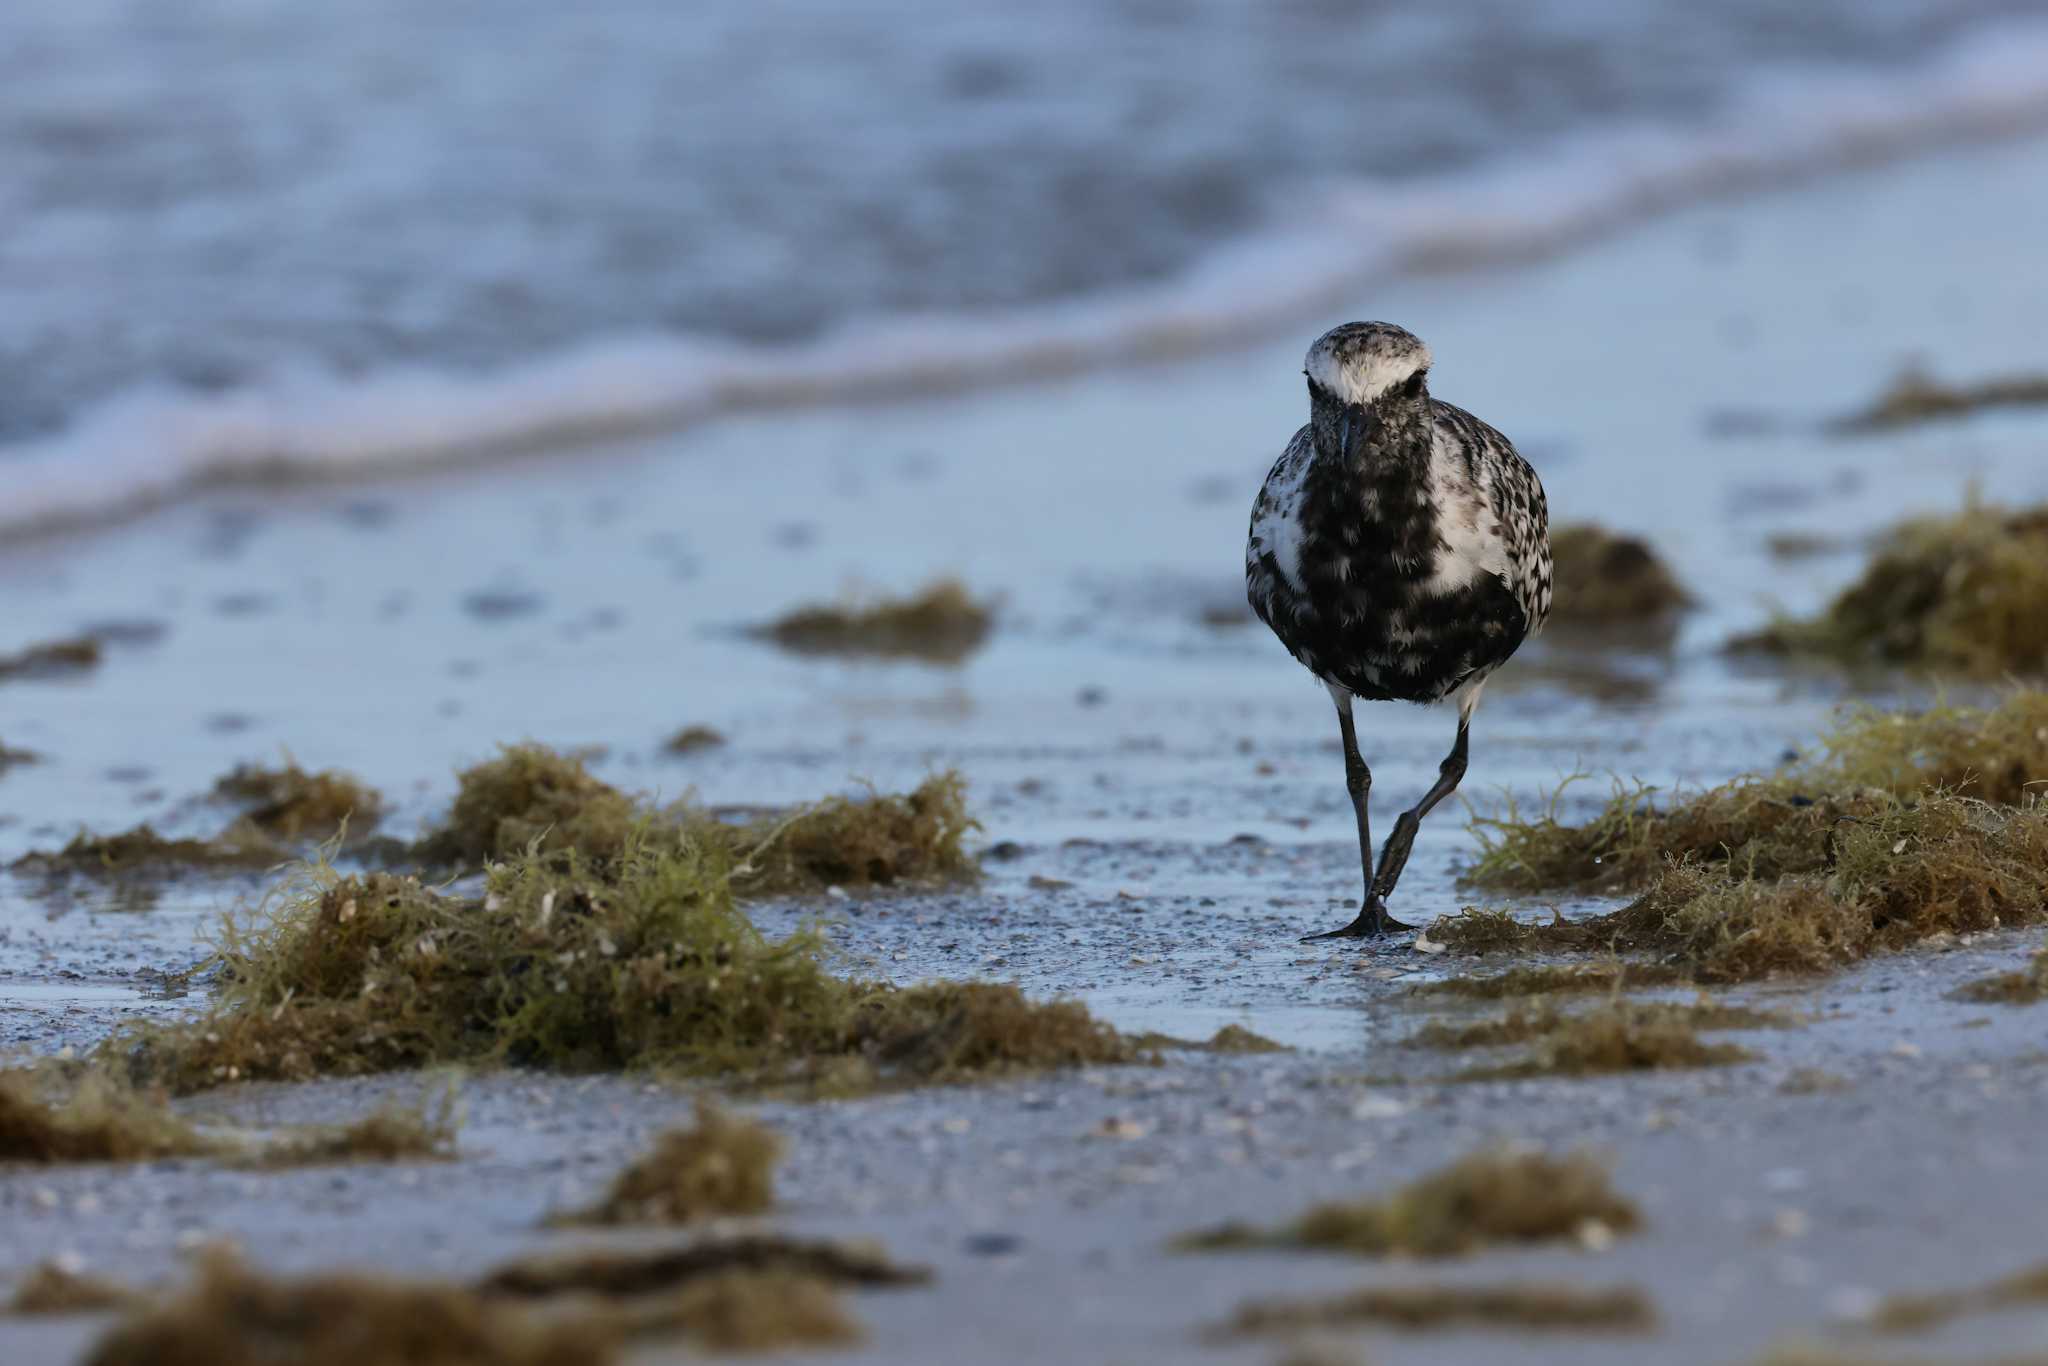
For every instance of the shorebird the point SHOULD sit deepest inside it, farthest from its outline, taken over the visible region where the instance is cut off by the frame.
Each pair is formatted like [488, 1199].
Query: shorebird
[1400, 549]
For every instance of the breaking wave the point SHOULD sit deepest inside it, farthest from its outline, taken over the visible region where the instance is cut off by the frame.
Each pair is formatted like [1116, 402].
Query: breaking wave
[147, 446]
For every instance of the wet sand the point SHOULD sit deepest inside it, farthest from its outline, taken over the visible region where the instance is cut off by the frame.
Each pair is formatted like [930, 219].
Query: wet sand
[1182, 780]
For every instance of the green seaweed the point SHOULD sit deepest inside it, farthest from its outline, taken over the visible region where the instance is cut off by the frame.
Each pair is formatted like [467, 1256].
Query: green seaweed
[142, 855]
[534, 800]
[1539, 1305]
[1543, 1021]
[56, 1287]
[692, 739]
[52, 659]
[236, 1316]
[1620, 1036]
[1773, 824]
[940, 623]
[288, 803]
[718, 1166]
[390, 1133]
[1914, 396]
[1600, 578]
[1876, 874]
[1497, 1196]
[2022, 987]
[55, 1113]
[1550, 979]
[569, 962]
[1964, 595]
[1917, 1312]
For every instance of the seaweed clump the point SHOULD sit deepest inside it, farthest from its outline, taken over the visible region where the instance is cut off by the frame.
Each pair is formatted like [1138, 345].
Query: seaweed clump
[1622, 1036]
[1544, 1021]
[942, 623]
[1903, 827]
[629, 1272]
[1773, 824]
[756, 1292]
[577, 964]
[1415, 1308]
[1807, 1353]
[52, 1114]
[574, 1308]
[52, 659]
[1964, 594]
[2022, 987]
[1550, 979]
[531, 799]
[745, 1311]
[55, 1287]
[235, 1316]
[285, 806]
[1233, 1038]
[880, 839]
[718, 1166]
[143, 854]
[289, 803]
[1916, 1313]
[1878, 874]
[1495, 1196]
[1230, 1039]
[1601, 578]
[390, 1133]
[957, 1031]
[1915, 396]
[692, 739]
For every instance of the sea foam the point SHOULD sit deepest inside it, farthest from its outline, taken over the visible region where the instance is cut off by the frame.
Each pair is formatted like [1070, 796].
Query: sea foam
[146, 446]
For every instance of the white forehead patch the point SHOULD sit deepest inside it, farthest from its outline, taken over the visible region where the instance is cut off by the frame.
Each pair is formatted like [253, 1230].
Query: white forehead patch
[1365, 371]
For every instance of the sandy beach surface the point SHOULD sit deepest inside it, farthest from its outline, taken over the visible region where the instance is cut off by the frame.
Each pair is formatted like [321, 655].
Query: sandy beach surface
[1161, 797]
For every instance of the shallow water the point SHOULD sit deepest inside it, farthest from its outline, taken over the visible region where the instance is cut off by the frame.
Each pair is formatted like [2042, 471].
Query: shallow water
[403, 629]
[1182, 781]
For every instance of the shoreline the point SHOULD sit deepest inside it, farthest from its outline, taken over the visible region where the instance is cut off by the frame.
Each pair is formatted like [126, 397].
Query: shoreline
[305, 430]
[1170, 794]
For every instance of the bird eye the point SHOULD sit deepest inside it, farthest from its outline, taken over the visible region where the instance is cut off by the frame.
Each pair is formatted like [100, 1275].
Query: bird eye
[1413, 388]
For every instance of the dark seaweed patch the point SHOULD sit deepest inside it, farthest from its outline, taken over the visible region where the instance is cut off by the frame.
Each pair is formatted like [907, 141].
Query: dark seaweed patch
[1492, 1197]
[1602, 578]
[1419, 1308]
[941, 623]
[720, 1165]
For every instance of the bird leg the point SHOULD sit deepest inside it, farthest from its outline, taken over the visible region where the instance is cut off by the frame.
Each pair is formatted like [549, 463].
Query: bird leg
[1394, 857]
[1372, 918]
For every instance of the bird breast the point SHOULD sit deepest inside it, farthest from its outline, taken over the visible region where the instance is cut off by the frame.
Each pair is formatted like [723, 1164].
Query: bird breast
[1401, 578]
[1469, 538]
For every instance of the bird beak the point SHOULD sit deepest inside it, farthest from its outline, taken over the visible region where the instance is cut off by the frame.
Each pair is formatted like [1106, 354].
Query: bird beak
[1350, 431]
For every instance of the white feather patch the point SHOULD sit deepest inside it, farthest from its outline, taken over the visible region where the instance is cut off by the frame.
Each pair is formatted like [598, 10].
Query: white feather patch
[1278, 528]
[1470, 543]
[1361, 378]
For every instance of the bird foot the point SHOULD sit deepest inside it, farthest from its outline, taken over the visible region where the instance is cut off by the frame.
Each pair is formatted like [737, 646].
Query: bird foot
[1372, 922]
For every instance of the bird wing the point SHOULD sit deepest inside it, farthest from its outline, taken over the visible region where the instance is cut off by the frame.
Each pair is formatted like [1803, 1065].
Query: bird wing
[1272, 548]
[1495, 517]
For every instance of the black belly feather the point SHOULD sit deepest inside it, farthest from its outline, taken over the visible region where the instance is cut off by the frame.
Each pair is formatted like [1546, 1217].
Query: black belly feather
[1363, 616]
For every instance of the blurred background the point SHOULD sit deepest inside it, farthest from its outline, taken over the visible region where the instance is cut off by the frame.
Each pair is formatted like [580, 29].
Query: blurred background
[241, 233]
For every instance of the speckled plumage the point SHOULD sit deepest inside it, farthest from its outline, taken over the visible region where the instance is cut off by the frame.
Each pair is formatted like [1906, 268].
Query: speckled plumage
[1413, 574]
[1400, 549]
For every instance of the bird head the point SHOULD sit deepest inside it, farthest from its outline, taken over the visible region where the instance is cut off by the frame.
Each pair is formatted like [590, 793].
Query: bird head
[1362, 379]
